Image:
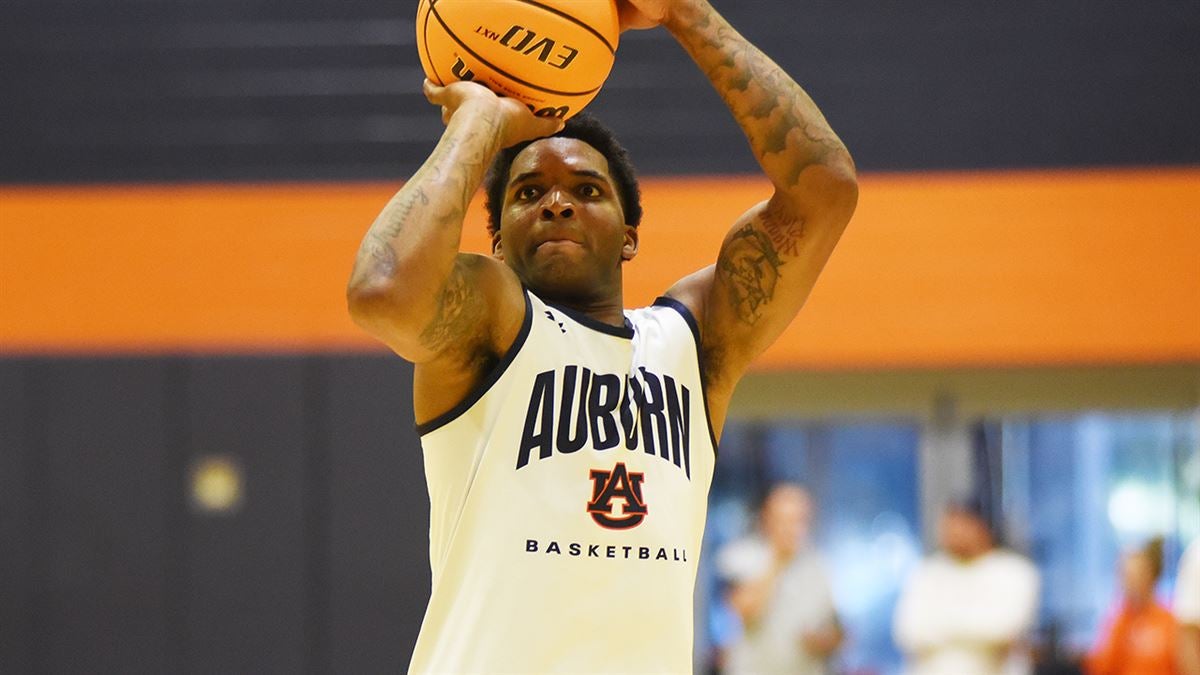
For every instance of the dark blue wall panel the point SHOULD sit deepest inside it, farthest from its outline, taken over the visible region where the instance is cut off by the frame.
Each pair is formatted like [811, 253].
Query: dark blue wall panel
[98, 527]
[316, 89]
[246, 600]
[16, 563]
[109, 567]
[379, 516]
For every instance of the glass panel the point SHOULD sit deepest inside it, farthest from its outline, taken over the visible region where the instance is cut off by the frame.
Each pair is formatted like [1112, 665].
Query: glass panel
[863, 477]
[1079, 490]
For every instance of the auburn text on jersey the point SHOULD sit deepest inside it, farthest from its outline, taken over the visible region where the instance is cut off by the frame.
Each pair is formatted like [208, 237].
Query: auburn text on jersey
[571, 408]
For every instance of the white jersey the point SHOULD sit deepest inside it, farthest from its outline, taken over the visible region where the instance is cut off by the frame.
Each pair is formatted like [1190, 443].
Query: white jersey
[567, 501]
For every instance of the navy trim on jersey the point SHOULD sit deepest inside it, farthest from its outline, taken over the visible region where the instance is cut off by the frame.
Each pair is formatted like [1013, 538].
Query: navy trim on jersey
[482, 388]
[664, 301]
[586, 321]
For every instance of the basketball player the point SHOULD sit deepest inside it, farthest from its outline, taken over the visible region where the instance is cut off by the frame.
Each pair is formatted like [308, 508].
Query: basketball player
[569, 443]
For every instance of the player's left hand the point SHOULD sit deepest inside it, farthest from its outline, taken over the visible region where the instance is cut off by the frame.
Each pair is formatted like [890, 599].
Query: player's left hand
[517, 122]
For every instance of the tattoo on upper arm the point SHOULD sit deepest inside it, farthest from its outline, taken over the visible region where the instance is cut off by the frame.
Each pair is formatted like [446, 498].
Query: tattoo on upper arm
[783, 229]
[458, 316]
[748, 268]
[749, 264]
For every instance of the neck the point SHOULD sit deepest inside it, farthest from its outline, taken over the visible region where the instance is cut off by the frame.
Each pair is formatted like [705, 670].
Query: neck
[609, 311]
[607, 307]
[1138, 601]
[970, 554]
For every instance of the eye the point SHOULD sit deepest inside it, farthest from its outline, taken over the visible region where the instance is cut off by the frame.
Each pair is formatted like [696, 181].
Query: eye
[589, 190]
[528, 192]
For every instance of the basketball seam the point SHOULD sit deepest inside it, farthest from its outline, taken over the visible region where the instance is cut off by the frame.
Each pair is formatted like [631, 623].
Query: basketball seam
[505, 73]
[425, 44]
[568, 17]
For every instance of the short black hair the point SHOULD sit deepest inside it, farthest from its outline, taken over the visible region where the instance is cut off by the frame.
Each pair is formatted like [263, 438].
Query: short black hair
[590, 130]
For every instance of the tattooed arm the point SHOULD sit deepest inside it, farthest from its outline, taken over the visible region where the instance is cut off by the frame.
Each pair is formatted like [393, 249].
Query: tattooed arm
[411, 288]
[771, 257]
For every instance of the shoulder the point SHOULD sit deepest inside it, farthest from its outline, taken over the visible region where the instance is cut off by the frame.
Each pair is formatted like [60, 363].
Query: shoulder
[1013, 566]
[666, 305]
[1187, 586]
[938, 567]
[480, 317]
[497, 304]
[1191, 558]
[1013, 559]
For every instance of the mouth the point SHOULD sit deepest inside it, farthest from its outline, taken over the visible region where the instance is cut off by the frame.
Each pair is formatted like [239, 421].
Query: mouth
[557, 245]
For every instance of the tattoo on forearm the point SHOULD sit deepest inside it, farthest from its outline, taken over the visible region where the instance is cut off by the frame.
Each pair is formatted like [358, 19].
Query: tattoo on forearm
[455, 167]
[396, 220]
[381, 252]
[749, 270]
[767, 104]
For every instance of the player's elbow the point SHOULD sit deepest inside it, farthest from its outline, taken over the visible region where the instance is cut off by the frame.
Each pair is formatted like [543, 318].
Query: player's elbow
[365, 298]
[378, 307]
[825, 193]
[839, 190]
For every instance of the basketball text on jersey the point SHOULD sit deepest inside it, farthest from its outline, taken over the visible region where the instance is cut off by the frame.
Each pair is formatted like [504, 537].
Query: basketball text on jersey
[572, 407]
[577, 549]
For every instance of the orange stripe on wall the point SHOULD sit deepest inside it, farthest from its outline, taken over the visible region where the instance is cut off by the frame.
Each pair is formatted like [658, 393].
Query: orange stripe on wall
[945, 269]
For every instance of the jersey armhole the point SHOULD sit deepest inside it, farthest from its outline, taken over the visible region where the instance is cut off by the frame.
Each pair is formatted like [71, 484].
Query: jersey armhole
[664, 301]
[486, 383]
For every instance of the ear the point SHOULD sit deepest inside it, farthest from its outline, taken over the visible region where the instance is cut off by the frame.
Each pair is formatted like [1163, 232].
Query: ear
[497, 250]
[630, 249]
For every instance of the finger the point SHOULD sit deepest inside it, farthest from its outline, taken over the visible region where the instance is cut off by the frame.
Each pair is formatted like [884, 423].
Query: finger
[552, 125]
[432, 92]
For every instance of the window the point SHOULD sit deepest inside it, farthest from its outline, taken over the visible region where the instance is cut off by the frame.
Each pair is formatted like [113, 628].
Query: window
[863, 478]
[1078, 490]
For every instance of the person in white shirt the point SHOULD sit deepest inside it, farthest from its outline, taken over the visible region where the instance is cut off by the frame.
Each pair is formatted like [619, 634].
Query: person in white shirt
[966, 609]
[1187, 610]
[779, 588]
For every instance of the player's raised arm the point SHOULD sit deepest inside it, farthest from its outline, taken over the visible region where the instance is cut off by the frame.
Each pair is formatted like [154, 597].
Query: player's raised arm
[771, 257]
[410, 287]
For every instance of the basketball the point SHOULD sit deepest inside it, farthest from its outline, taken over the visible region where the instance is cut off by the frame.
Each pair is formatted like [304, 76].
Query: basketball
[552, 55]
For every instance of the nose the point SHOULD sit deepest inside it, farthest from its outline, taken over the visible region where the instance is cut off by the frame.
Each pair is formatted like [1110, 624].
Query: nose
[557, 206]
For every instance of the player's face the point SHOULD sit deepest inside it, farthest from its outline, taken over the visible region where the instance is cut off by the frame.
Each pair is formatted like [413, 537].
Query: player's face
[562, 229]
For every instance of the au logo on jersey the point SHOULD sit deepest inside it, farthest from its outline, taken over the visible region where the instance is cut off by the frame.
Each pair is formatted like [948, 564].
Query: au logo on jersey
[617, 484]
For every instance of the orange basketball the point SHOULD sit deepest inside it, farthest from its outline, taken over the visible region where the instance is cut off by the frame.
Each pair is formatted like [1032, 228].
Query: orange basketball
[552, 55]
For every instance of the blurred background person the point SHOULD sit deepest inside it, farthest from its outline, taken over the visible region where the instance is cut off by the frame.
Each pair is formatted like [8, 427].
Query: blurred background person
[966, 609]
[780, 590]
[1187, 610]
[1139, 637]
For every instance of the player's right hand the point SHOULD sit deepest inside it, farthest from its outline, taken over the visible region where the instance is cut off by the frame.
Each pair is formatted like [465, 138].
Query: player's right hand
[517, 122]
